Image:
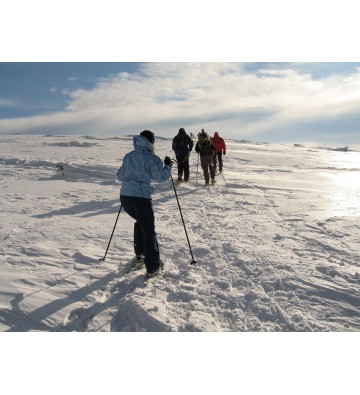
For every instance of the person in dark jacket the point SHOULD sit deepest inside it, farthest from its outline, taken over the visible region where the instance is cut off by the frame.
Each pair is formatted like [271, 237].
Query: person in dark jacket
[205, 148]
[182, 146]
[139, 169]
[220, 146]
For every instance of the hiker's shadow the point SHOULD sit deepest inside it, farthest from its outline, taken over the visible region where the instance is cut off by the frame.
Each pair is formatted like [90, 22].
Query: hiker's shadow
[84, 209]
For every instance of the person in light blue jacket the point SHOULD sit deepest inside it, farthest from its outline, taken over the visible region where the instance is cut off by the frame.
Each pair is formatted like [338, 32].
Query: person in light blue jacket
[139, 169]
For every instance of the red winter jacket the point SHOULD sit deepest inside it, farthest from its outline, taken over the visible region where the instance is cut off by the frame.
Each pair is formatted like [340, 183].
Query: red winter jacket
[219, 143]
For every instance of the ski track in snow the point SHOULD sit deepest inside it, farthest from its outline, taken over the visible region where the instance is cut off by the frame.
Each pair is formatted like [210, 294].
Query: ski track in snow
[276, 250]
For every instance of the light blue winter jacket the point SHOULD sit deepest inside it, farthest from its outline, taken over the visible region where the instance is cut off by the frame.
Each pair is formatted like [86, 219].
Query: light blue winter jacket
[140, 168]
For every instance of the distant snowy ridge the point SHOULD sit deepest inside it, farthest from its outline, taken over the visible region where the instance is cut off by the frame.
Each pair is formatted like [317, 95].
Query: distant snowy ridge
[71, 144]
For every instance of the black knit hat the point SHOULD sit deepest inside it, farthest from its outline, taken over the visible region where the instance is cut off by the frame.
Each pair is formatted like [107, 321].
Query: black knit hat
[182, 130]
[150, 136]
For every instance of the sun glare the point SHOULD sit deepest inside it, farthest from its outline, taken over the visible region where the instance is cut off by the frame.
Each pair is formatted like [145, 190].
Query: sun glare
[344, 176]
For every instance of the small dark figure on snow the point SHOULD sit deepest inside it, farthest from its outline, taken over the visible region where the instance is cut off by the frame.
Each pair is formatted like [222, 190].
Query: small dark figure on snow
[182, 146]
[220, 146]
[139, 169]
[205, 148]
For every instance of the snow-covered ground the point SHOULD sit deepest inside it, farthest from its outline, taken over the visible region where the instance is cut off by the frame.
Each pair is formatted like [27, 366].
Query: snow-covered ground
[276, 241]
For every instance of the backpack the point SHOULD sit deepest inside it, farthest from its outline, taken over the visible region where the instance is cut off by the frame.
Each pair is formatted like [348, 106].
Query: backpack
[179, 141]
[205, 147]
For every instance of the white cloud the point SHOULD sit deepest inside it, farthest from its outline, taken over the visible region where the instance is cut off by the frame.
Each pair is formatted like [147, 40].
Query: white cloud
[216, 94]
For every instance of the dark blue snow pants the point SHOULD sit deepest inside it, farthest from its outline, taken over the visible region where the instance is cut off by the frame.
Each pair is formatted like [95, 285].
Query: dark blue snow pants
[145, 242]
[183, 166]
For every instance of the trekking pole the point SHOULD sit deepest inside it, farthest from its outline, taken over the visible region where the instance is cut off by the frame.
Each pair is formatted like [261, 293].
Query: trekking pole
[193, 262]
[223, 177]
[197, 167]
[103, 259]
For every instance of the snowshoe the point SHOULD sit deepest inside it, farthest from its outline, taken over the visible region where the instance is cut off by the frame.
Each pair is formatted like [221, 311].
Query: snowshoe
[155, 276]
[137, 263]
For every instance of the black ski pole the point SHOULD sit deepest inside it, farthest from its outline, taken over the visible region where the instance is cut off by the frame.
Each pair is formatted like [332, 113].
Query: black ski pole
[193, 262]
[103, 259]
[197, 167]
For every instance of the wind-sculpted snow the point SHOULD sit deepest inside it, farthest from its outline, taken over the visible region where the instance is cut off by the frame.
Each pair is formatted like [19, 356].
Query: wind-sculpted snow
[24, 162]
[71, 144]
[276, 241]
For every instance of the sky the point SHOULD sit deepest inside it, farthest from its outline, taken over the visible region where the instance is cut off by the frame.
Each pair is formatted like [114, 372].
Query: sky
[278, 72]
[281, 102]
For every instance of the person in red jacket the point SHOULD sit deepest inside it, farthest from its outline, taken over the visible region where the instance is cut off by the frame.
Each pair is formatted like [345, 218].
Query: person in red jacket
[220, 146]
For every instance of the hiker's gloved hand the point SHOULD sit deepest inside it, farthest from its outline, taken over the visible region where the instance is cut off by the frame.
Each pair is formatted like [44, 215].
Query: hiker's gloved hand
[168, 161]
[186, 158]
